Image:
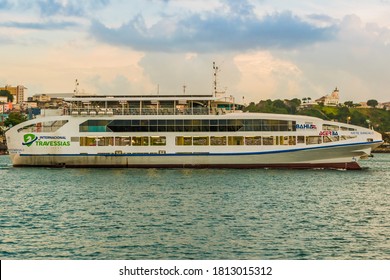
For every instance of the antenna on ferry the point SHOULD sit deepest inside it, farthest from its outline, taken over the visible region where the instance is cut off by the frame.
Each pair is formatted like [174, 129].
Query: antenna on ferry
[215, 79]
[76, 87]
[184, 89]
[216, 70]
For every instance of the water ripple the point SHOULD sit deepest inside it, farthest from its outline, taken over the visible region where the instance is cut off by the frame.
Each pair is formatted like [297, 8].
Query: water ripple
[195, 214]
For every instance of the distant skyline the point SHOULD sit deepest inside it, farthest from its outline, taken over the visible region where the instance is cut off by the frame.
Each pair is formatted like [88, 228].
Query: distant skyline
[264, 49]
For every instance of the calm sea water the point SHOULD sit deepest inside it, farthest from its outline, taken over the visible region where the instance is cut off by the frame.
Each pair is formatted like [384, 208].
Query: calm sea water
[49, 213]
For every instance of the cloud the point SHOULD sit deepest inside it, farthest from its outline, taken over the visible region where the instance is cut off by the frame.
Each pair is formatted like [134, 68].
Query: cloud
[265, 76]
[48, 8]
[4, 4]
[356, 61]
[48, 25]
[213, 31]
[53, 7]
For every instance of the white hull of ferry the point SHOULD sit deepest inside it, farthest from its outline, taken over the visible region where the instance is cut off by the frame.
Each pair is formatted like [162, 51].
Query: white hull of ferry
[183, 132]
[338, 157]
[59, 149]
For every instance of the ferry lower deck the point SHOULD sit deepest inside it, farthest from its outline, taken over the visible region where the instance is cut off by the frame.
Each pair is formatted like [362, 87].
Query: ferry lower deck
[340, 156]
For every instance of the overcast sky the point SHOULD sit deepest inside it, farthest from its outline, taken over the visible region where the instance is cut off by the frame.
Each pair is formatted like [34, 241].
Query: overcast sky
[264, 49]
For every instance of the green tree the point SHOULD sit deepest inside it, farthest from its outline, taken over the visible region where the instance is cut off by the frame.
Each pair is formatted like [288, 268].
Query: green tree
[251, 107]
[15, 118]
[293, 105]
[10, 97]
[278, 104]
[348, 104]
[372, 103]
[343, 114]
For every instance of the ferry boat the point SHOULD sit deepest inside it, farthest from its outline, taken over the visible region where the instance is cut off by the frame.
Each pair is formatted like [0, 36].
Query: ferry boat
[184, 131]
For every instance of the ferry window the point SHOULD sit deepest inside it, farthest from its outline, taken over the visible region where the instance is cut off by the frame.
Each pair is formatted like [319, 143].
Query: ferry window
[170, 122]
[161, 122]
[196, 125]
[87, 141]
[179, 125]
[330, 127]
[135, 123]
[153, 128]
[27, 128]
[276, 125]
[222, 125]
[300, 139]
[123, 141]
[205, 122]
[236, 140]
[52, 126]
[283, 126]
[253, 140]
[328, 139]
[94, 126]
[183, 141]
[283, 140]
[310, 140]
[152, 122]
[32, 128]
[162, 128]
[231, 125]
[201, 141]
[247, 125]
[187, 125]
[218, 140]
[158, 140]
[214, 122]
[258, 125]
[292, 140]
[104, 141]
[214, 125]
[344, 137]
[140, 141]
[343, 128]
[292, 126]
[205, 125]
[171, 125]
[268, 140]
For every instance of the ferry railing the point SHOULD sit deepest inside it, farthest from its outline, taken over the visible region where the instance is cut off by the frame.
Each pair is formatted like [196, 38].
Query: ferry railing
[137, 111]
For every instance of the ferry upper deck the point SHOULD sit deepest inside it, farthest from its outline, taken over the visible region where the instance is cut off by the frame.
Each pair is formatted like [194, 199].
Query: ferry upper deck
[150, 105]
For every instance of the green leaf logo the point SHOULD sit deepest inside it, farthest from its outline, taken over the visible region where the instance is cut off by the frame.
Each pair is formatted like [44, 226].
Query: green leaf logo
[29, 139]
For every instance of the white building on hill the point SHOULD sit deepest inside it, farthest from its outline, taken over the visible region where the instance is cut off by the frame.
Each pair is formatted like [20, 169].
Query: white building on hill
[332, 99]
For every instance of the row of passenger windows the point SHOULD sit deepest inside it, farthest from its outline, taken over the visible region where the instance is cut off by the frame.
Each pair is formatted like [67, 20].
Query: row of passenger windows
[209, 140]
[256, 140]
[123, 141]
[336, 127]
[182, 125]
